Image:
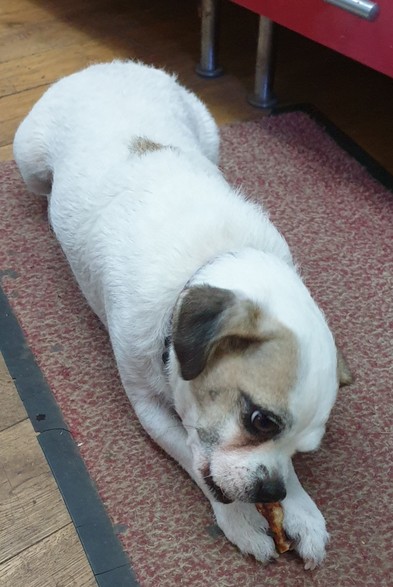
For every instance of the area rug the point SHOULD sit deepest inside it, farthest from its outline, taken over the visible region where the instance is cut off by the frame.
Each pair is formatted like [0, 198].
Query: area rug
[338, 220]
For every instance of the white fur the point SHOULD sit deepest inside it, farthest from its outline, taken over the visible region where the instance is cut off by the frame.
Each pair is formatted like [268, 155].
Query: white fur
[136, 228]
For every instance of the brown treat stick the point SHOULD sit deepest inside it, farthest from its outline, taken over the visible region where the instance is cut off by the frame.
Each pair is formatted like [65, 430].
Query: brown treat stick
[274, 514]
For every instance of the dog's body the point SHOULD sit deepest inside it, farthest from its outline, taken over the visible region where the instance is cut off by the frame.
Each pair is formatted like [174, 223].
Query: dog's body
[164, 249]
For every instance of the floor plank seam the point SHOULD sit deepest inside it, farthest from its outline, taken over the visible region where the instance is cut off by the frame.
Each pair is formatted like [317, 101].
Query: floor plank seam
[15, 554]
[14, 424]
[17, 92]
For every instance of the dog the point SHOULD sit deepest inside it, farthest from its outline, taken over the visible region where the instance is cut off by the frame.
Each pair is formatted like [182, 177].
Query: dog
[225, 357]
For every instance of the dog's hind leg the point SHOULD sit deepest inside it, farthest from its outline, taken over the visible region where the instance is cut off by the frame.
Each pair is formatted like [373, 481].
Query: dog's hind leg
[31, 152]
[204, 125]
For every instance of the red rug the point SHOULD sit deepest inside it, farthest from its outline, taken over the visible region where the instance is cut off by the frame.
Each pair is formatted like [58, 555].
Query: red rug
[339, 222]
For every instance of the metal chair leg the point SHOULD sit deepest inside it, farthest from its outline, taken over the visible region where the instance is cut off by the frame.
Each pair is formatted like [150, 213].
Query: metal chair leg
[263, 96]
[209, 19]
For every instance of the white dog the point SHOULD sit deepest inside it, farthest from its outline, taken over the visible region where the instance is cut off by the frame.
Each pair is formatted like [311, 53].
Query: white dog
[228, 362]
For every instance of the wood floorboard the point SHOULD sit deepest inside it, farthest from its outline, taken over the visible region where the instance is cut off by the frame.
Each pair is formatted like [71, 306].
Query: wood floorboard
[12, 111]
[31, 507]
[6, 153]
[58, 560]
[12, 410]
[39, 545]
[25, 73]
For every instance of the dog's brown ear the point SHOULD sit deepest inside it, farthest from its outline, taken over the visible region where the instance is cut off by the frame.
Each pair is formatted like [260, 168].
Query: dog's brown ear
[344, 374]
[209, 317]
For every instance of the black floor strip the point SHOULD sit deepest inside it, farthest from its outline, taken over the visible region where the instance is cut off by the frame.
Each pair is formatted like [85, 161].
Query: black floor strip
[105, 554]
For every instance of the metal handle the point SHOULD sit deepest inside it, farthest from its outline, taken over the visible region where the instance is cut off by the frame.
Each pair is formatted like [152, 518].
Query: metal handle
[362, 8]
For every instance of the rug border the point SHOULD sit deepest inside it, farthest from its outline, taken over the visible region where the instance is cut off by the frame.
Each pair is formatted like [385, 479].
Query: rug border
[342, 139]
[106, 556]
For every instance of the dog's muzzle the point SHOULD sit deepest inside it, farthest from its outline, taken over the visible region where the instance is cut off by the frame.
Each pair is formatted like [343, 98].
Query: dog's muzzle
[217, 492]
[263, 491]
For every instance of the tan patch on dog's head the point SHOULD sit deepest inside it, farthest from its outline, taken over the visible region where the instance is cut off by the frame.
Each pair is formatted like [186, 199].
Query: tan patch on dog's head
[227, 346]
[142, 145]
[264, 369]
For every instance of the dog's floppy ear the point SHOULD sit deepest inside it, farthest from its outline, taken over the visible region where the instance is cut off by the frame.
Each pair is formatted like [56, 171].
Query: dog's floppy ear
[344, 374]
[208, 317]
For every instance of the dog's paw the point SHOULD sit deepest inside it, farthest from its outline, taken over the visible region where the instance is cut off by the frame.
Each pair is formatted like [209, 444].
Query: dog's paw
[305, 525]
[246, 528]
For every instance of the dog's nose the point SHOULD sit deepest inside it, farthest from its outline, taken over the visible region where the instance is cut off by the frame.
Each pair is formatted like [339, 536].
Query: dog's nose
[268, 491]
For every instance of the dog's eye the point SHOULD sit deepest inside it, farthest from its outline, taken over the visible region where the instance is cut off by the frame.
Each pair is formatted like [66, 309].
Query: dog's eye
[261, 422]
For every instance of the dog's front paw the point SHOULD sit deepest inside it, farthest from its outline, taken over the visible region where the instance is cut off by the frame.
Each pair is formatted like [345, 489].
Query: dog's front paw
[305, 525]
[246, 528]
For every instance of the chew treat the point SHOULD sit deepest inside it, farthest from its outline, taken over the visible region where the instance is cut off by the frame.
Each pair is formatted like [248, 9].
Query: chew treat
[274, 514]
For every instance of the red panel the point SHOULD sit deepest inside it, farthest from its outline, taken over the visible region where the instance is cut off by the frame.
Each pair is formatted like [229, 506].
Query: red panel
[370, 43]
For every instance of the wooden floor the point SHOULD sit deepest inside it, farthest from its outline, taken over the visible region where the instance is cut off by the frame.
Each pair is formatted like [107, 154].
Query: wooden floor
[42, 40]
[39, 545]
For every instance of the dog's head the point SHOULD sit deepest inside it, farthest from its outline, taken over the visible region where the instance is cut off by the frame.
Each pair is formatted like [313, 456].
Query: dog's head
[254, 373]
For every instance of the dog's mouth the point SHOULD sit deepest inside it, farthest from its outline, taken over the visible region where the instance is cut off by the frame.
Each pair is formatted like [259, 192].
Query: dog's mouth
[215, 489]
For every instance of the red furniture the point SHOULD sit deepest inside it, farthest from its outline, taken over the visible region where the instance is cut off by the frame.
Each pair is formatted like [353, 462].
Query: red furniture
[370, 42]
[360, 29]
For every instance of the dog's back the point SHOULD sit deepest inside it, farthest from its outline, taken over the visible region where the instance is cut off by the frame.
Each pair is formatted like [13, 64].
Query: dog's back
[90, 119]
[128, 157]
